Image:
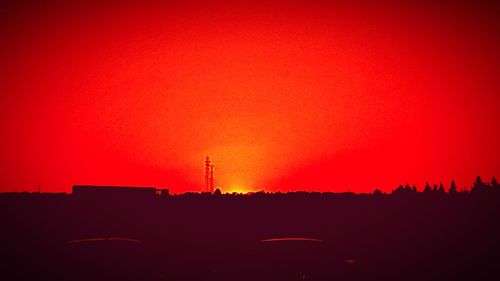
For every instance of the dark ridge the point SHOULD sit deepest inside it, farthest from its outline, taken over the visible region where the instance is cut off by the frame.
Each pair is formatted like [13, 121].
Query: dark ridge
[103, 233]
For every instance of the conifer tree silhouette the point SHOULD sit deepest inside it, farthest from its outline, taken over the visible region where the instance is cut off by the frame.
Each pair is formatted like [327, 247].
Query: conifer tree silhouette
[494, 183]
[453, 187]
[479, 185]
[441, 188]
[427, 188]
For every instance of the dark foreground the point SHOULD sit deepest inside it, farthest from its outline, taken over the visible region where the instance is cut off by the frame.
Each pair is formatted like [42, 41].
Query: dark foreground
[408, 236]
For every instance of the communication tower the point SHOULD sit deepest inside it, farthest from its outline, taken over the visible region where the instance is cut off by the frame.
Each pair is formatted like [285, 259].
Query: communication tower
[209, 176]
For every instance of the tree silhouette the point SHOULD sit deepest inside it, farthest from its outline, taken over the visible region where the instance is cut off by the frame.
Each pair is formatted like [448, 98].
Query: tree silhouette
[427, 188]
[441, 188]
[453, 187]
[399, 190]
[479, 185]
[494, 183]
[217, 192]
[407, 189]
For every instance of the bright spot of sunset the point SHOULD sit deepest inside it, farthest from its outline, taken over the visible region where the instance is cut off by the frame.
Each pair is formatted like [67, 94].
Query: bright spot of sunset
[237, 189]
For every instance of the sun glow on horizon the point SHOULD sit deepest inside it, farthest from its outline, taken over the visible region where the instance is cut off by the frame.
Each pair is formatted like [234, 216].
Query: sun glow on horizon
[237, 189]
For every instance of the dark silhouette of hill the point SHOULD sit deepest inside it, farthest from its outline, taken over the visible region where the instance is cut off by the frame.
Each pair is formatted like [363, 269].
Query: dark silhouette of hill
[437, 234]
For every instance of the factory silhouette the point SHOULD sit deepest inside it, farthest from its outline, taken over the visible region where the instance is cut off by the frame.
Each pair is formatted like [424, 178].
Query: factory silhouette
[145, 233]
[104, 193]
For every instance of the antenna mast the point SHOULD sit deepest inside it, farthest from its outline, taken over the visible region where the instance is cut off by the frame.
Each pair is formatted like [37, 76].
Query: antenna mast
[206, 187]
[212, 180]
[209, 176]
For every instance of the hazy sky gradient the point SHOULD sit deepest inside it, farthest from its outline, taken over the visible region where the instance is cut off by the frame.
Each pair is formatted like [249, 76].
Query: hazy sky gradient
[288, 96]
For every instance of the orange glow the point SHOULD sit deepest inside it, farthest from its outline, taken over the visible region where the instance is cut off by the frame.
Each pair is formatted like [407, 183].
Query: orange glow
[284, 96]
[237, 189]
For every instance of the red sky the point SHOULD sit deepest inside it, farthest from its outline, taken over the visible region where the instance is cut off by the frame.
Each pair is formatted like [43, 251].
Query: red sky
[282, 96]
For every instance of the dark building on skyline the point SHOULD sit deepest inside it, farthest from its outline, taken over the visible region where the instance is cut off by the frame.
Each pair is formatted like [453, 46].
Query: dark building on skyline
[118, 192]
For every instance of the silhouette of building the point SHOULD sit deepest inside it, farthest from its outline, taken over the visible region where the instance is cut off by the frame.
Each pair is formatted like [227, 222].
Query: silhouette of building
[118, 192]
[209, 176]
